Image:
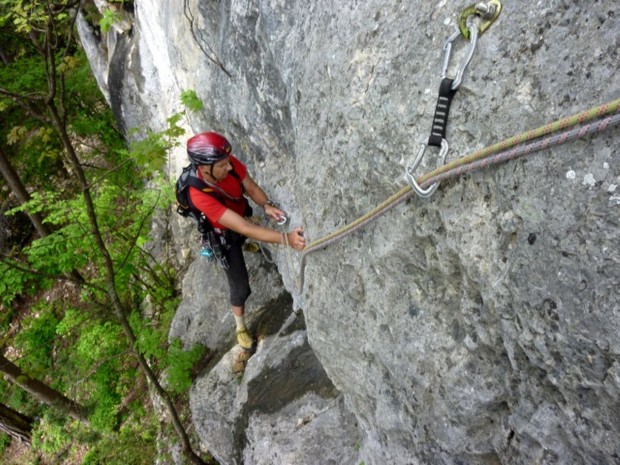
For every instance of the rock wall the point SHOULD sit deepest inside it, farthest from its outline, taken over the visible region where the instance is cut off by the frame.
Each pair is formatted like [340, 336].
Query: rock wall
[478, 327]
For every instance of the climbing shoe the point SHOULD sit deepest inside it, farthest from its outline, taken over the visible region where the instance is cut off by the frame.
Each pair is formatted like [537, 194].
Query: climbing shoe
[244, 339]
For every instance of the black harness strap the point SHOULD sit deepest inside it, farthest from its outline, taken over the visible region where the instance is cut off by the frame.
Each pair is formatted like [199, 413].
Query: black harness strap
[210, 189]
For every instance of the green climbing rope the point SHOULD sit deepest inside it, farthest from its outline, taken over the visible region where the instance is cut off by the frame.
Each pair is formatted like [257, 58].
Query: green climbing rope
[500, 147]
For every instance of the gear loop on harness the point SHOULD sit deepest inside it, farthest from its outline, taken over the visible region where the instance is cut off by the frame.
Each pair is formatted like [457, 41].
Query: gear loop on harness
[429, 191]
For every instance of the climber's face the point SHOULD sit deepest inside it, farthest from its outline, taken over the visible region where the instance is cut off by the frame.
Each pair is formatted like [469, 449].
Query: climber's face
[217, 171]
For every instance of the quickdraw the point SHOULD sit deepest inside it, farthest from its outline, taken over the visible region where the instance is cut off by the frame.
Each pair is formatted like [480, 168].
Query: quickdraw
[502, 151]
[473, 21]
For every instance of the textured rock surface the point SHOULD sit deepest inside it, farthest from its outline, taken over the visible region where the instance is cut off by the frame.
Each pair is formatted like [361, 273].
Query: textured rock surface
[479, 327]
[284, 410]
[203, 316]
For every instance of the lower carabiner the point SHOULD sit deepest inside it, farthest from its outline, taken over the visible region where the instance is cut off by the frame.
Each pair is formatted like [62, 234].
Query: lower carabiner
[428, 192]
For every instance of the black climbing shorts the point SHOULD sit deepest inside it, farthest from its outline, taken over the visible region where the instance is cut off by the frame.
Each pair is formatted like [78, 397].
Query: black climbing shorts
[237, 272]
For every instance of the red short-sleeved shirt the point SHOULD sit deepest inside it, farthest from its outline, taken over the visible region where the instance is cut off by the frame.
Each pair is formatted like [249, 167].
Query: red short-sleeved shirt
[213, 208]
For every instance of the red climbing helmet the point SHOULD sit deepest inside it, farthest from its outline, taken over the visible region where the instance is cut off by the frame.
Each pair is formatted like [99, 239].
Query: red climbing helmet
[207, 148]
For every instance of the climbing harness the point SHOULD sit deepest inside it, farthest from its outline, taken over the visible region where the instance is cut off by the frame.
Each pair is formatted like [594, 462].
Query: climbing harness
[213, 247]
[473, 21]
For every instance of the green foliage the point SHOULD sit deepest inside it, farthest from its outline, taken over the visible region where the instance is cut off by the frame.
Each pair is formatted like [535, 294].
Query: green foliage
[180, 363]
[12, 283]
[91, 119]
[174, 359]
[5, 440]
[16, 134]
[35, 147]
[133, 445]
[109, 18]
[149, 152]
[6, 313]
[49, 435]
[36, 340]
[17, 398]
[26, 75]
[71, 320]
[105, 414]
[71, 339]
[191, 100]
[150, 342]
[94, 363]
[100, 352]
[27, 15]
[124, 220]
[101, 341]
[149, 149]
[69, 244]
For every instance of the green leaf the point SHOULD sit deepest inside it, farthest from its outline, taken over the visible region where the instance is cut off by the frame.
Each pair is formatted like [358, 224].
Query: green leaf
[36, 340]
[191, 100]
[12, 283]
[100, 341]
[180, 363]
[16, 135]
[109, 18]
[149, 152]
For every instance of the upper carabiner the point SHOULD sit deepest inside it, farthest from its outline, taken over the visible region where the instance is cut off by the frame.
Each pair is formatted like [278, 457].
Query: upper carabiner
[488, 11]
[447, 48]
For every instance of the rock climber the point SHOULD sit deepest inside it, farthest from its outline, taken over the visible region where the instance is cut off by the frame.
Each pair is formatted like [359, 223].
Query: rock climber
[210, 153]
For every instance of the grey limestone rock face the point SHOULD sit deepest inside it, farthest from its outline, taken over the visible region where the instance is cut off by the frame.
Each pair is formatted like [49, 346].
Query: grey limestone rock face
[283, 410]
[204, 317]
[480, 326]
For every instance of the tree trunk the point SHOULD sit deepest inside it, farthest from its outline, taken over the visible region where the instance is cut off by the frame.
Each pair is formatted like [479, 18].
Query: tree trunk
[3, 56]
[119, 310]
[40, 390]
[15, 183]
[15, 424]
